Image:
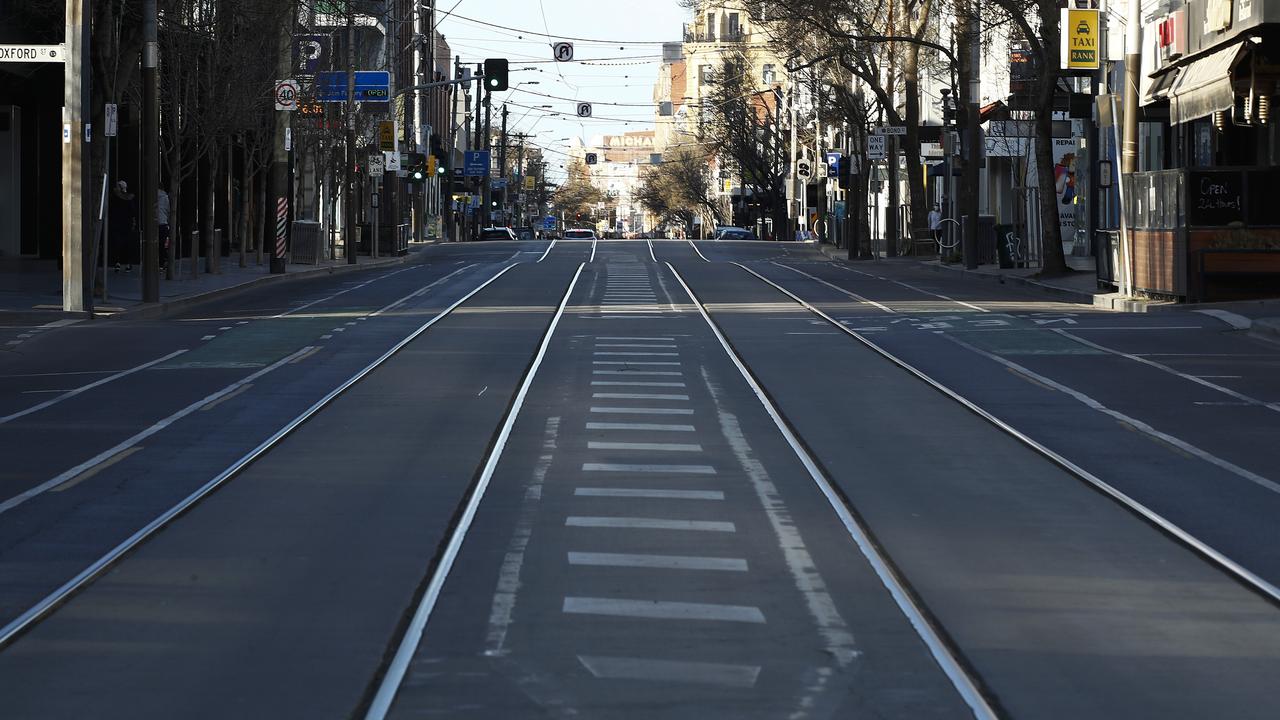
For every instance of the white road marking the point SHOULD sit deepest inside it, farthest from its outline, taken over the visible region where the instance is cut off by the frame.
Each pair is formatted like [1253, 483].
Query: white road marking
[593, 250]
[649, 346]
[626, 353]
[122, 455]
[655, 373]
[638, 396]
[638, 383]
[662, 610]
[615, 337]
[62, 323]
[1235, 320]
[225, 328]
[913, 287]
[639, 426]
[695, 249]
[670, 671]
[1137, 424]
[650, 494]
[651, 255]
[105, 455]
[85, 388]
[652, 447]
[208, 337]
[649, 468]
[326, 336]
[482, 391]
[416, 293]
[548, 251]
[1160, 366]
[837, 288]
[640, 523]
[658, 562]
[643, 411]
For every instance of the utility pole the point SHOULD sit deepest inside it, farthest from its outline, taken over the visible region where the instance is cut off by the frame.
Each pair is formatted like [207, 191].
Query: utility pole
[280, 156]
[76, 213]
[477, 143]
[487, 180]
[502, 161]
[150, 153]
[1129, 142]
[971, 86]
[349, 233]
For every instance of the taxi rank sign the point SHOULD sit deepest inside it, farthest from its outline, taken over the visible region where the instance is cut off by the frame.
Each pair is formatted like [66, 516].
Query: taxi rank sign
[1080, 40]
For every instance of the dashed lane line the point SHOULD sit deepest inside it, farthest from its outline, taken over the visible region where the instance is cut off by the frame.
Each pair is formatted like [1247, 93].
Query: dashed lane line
[662, 610]
[658, 562]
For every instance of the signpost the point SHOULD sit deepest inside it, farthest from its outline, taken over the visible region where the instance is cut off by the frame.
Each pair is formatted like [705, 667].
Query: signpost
[370, 86]
[32, 53]
[376, 165]
[875, 147]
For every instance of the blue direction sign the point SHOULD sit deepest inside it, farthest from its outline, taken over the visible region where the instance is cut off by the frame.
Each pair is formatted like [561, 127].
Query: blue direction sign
[549, 222]
[476, 163]
[371, 86]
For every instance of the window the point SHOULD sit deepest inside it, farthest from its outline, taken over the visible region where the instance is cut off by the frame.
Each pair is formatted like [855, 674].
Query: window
[770, 75]
[735, 30]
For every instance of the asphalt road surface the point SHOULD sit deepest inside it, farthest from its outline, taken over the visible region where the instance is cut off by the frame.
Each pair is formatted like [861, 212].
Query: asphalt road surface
[640, 479]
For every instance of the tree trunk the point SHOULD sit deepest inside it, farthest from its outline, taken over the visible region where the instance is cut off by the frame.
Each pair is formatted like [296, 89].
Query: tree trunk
[260, 207]
[915, 178]
[1053, 263]
[212, 249]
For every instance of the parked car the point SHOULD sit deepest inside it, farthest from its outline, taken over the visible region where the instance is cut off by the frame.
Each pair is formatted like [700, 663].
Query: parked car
[525, 233]
[580, 234]
[497, 233]
[735, 233]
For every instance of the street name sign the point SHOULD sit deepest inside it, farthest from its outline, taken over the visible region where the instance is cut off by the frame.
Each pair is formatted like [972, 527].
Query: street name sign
[371, 86]
[895, 130]
[32, 53]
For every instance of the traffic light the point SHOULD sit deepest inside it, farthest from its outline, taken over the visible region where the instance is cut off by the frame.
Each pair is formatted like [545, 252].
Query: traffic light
[495, 74]
[417, 170]
[441, 166]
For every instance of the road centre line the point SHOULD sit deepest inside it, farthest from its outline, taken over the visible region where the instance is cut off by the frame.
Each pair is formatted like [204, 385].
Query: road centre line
[642, 411]
[660, 562]
[548, 251]
[1199, 380]
[85, 388]
[650, 468]
[1243, 574]
[670, 671]
[942, 653]
[650, 447]
[399, 663]
[837, 288]
[638, 396]
[912, 287]
[662, 610]
[649, 494]
[55, 598]
[138, 437]
[656, 427]
[643, 523]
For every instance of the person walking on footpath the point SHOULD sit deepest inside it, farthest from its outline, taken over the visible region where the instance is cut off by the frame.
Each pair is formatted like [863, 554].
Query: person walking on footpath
[935, 223]
[124, 226]
[162, 218]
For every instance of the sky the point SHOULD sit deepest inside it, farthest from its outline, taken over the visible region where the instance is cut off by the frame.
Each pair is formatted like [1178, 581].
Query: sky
[617, 53]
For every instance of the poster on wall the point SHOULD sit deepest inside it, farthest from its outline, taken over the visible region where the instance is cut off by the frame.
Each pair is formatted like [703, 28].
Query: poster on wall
[1064, 185]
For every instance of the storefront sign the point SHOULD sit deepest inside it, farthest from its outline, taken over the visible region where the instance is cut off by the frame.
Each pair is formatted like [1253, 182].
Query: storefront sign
[1080, 40]
[1217, 15]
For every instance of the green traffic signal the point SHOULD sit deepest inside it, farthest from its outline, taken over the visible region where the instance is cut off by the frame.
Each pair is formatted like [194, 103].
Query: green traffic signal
[495, 74]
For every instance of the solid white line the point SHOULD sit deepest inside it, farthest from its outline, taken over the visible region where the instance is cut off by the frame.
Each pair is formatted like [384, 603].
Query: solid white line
[651, 255]
[638, 383]
[62, 323]
[655, 373]
[650, 494]
[638, 396]
[357, 286]
[643, 411]
[654, 447]
[658, 562]
[837, 288]
[123, 445]
[670, 671]
[658, 427]
[662, 610]
[913, 287]
[649, 468]
[636, 345]
[593, 250]
[639, 523]
[662, 363]
[1132, 421]
[942, 654]
[620, 353]
[695, 249]
[399, 664]
[548, 251]
[85, 388]
[1193, 378]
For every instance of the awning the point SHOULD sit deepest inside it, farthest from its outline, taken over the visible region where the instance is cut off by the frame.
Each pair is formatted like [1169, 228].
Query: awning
[1204, 85]
[1158, 86]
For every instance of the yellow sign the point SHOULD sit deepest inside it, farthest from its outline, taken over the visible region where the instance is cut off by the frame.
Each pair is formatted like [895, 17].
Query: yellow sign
[431, 165]
[387, 135]
[1080, 40]
[728, 185]
[530, 182]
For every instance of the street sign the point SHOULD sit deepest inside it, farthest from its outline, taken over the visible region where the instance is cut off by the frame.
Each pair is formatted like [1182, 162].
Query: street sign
[386, 135]
[286, 95]
[549, 222]
[391, 161]
[562, 51]
[376, 165]
[584, 110]
[875, 147]
[833, 163]
[895, 130]
[1080, 39]
[371, 86]
[804, 170]
[498, 183]
[111, 118]
[592, 158]
[476, 163]
[310, 53]
[530, 182]
[32, 53]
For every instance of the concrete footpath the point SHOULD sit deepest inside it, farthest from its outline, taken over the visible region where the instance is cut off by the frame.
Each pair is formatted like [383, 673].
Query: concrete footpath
[32, 294]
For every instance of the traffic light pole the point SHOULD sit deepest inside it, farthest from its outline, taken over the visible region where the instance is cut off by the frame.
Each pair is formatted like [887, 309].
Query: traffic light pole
[502, 160]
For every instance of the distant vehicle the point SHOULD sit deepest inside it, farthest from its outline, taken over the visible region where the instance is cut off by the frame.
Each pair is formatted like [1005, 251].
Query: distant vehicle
[497, 233]
[525, 233]
[580, 234]
[735, 233]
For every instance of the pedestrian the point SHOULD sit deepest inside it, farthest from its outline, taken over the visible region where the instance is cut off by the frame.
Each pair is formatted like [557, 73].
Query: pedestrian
[935, 222]
[124, 227]
[162, 218]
